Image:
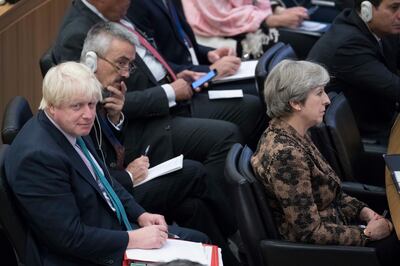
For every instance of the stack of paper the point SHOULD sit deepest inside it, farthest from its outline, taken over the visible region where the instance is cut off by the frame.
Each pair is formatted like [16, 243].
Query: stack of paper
[164, 168]
[176, 249]
[246, 70]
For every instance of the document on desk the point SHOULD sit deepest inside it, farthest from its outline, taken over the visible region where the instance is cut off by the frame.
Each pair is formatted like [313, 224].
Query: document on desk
[224, 94]
[312, 26]
[164, 168]
[246, 70]
[175, 249]
[393, 163]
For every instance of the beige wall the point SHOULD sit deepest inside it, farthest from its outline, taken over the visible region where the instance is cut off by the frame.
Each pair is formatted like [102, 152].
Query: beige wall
[27, 30]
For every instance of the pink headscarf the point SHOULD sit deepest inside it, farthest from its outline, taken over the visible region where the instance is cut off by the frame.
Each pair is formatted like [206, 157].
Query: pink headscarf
[225, 17]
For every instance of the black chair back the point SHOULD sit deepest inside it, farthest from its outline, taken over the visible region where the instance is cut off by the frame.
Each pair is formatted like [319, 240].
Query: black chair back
[47, 61]
[11, 222]
[262, 67]
[249, 221]
[261, 197]
[285, 52]
[268, 61]
[16, 114]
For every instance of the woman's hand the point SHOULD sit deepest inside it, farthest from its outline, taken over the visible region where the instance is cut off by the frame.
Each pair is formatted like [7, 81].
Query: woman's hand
[368, 214]
[378, 229]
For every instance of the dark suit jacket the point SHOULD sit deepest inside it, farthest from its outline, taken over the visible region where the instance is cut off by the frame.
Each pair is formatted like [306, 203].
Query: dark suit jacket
[146, 105]
[61, 201]
[367, 76]
[152, 17]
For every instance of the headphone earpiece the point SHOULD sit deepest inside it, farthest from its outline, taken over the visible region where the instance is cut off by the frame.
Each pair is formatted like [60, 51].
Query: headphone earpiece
[366, 11]
[91, 60]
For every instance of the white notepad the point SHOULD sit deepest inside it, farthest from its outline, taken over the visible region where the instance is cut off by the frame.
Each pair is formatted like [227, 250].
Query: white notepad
[164, 168]
[224, 94]
[246, 70]
[172, 250]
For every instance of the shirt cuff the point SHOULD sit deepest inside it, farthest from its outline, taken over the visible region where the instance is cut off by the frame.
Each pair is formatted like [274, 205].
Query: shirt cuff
[120, 123]
[130, 175]
[169, 91]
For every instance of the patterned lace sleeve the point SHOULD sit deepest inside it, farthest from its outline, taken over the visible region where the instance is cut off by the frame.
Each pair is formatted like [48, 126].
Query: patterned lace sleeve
[350, 206]
[289, 175]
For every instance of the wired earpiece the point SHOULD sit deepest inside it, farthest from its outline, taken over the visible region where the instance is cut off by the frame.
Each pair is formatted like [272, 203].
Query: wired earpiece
[91, 60]
[366, 11]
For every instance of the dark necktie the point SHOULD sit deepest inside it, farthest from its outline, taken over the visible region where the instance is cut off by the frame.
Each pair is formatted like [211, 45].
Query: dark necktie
[119, 209]
[153, 51]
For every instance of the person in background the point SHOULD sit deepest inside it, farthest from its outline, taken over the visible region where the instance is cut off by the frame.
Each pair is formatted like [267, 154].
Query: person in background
[189, 196]
[361, 51]
[76, 211]
[252, 23]
[305, 193]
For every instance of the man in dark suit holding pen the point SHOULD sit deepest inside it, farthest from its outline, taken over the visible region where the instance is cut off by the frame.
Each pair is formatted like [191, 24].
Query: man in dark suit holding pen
[188, 196]
[77, 213]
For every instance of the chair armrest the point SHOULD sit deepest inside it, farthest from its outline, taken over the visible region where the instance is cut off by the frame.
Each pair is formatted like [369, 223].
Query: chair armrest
[285, 253]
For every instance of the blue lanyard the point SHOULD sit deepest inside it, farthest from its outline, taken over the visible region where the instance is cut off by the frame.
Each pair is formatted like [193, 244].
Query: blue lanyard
[178, 24]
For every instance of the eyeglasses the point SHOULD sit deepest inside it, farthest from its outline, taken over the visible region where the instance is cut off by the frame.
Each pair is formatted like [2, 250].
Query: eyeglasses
[121, 66]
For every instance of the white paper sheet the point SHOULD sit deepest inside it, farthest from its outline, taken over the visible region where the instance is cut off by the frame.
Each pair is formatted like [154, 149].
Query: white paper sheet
[224, 94]
[173, 249]
[312, 26]
[246, 70]
[164, 168]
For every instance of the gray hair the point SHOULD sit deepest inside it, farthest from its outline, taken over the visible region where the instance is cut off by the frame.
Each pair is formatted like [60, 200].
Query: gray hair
[291, 81]
[100, 36]
[67, 79]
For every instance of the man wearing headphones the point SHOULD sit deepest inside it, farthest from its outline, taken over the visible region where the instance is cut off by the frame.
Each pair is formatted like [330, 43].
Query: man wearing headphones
[188, 196]
[361, 52]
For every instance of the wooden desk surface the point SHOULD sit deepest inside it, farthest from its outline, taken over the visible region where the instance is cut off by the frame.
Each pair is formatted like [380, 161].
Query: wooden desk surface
[4, 8]
[392, 194]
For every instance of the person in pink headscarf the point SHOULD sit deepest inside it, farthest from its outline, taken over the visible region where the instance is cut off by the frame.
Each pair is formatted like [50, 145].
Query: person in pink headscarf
[230, 18]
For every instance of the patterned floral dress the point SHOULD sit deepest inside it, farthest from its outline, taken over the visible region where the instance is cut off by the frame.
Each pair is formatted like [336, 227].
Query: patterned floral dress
[304, 192]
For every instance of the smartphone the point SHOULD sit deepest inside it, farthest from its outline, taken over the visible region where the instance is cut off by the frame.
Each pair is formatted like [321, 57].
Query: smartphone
[106, 93]
[312, 10]
[207, 77]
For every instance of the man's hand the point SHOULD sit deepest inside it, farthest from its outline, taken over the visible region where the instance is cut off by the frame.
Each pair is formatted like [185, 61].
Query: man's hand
[214, 55]
[139, 169]
[147, 219]
[115, 102]
[191, 76]
[182, 90]
[226, 66]
[148, 237]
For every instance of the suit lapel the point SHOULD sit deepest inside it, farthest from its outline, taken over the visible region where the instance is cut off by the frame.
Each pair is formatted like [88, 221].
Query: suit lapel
[86, 12]
[76, 161]
[359, 23]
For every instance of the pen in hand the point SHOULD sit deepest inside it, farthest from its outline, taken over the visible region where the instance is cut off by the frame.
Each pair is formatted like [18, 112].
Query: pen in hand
[146, 151]
[172, 236]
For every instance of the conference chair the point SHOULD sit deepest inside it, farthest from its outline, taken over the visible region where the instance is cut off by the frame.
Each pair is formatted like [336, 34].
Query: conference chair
[357, 161]
[269, 60]
[13, 226]
[16, 114]
[260, 234]
[47, 61]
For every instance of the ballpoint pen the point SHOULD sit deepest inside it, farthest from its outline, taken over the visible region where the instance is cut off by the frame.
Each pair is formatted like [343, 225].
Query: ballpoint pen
[172, 235]
[146, 150]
